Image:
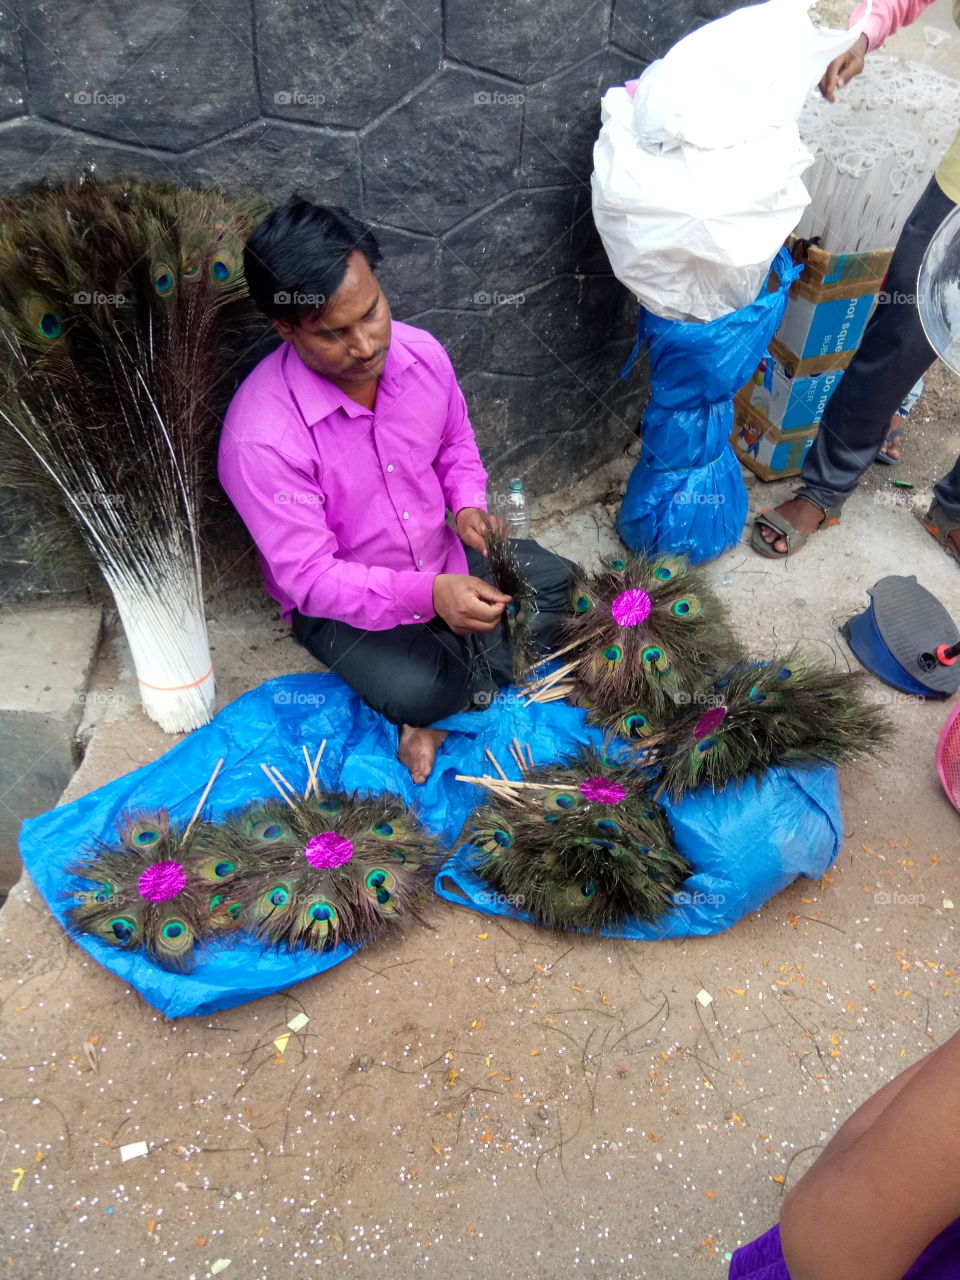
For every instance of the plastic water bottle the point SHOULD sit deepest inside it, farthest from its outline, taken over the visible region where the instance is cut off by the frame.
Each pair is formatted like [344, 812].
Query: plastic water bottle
[515, 513]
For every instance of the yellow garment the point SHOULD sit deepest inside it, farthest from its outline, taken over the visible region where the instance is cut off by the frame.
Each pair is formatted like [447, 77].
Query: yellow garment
[948, 175]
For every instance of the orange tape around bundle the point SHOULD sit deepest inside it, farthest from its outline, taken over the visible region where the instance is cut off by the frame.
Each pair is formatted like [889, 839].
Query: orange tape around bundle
[175, 688]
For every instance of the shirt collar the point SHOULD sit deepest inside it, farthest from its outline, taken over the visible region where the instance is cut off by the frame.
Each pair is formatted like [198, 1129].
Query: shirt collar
[316, 397]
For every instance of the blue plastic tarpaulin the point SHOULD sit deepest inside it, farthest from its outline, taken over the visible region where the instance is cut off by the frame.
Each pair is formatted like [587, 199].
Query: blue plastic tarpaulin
[746, 845]
[686, 493]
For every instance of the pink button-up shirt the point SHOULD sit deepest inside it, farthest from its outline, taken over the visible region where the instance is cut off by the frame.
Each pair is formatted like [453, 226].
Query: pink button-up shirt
[347, 505]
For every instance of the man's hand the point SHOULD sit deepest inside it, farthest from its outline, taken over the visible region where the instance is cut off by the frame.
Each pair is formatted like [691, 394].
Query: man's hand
[842, 70]
[467, 604]
[472, 525]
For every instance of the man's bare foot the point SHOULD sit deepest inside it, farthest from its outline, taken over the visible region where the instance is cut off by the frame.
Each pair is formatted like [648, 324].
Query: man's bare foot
[801, 513]
[418, 750]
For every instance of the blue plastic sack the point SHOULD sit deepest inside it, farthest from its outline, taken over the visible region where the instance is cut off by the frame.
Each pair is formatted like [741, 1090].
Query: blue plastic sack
[686, 493]
[745, 847]
[269, 725]
[746, 843]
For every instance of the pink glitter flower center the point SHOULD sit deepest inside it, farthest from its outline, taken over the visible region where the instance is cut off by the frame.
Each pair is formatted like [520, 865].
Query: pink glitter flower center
[709, 721]
[630, 608]
[328, 850]
[162, 881]
[602, 791]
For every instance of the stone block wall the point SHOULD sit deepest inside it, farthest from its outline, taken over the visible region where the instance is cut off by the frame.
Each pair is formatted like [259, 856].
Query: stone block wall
[461, 131]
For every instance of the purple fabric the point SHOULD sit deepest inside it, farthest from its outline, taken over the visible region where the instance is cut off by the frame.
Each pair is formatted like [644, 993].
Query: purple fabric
[631, 608]
[162, 881]
[347, 506]
[602, 791]
[762, 1259]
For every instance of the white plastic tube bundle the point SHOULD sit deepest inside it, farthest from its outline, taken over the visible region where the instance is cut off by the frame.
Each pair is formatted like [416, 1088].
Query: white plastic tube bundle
[875, 152]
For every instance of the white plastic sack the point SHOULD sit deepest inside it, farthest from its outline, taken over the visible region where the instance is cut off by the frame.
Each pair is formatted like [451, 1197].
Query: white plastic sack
[692, 232]
[696, 179]
[736, 78]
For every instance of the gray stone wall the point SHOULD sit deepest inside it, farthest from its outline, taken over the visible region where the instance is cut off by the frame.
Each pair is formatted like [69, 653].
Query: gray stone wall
[462, 131]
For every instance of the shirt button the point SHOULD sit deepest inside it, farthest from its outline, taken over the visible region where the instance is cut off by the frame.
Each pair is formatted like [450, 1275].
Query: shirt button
[390, 466]
[420, 563]
[416, 617]
[406, 515]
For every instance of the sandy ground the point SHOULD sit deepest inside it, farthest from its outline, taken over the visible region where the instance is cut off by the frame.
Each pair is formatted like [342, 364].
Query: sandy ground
[479, 1097]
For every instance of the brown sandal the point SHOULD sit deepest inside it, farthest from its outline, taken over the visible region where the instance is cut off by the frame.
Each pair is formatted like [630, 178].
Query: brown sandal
[938, 526]
[794, 537]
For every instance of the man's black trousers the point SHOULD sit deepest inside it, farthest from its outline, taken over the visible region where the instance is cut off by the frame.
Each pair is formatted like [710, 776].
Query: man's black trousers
[418, 674]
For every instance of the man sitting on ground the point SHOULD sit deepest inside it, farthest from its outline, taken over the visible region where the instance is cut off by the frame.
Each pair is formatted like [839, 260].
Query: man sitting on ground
[343, 450]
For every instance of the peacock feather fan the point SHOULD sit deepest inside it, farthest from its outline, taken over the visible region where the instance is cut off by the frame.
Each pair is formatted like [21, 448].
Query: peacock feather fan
[158, 889]
[581, 846]
[326, 869]
[644, 632]
[119, 302]
[517, 616]
[785, 711]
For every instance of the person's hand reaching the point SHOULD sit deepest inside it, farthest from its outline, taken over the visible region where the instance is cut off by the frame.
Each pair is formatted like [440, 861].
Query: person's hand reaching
[472, 525]
[467, 604]
[842, 70]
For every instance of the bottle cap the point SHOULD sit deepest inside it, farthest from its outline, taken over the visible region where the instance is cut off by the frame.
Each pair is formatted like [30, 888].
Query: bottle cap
[516, 483]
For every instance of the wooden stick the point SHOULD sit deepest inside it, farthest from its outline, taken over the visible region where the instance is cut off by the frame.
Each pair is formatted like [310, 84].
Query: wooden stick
[203, 799]
[495, 762]
[311, 776]
[556, 654]
[517, 752]
[276, 784]
[529, 755]
[552, 678]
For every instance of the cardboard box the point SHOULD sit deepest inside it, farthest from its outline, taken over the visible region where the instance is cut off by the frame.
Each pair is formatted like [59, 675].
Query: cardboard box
[839, 275]
[763, 448]
[793, 404]
[815, 337]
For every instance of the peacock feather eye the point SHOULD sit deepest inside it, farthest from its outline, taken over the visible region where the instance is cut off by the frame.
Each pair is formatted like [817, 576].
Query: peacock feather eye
[667, 569]
[163, 278]
[383, 829]
[216, 868]
[756, 694]
[608, 846]
[688, 608]
[607, 827]
[381, 885]
[706, 744]
[610, 656]
[551, 817]
[493, 839]
[636, 725]
[125, 292]
[582, 604]
[272, 900]
[784, 674]
[190, 264]
[175, 938]
[329, 805]
[588, 890]
[223, 266]
[119, 931]
[618, 565]
[141, 835]
[266, 830]
[316, 922]
[652, 655]
[43, 319]
[225, 912]
[562, 801]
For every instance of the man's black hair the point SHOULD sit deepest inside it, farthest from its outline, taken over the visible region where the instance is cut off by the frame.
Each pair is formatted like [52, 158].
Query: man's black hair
[295, 260]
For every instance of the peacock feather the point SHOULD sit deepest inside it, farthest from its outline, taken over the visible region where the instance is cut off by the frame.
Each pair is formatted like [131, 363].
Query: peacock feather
[517, 616]
[785, 711]
[326, 869]
[119, 302]
[581, 846]
[158, 889]
[644, 631]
